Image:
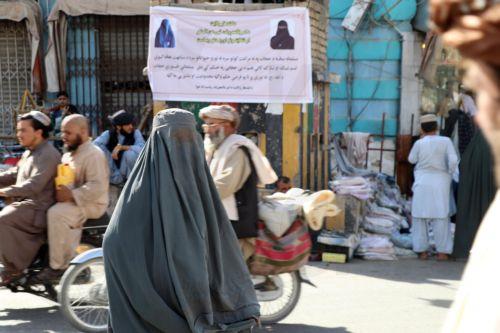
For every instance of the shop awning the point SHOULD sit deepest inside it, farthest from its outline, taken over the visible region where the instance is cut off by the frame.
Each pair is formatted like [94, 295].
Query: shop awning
[55, 59]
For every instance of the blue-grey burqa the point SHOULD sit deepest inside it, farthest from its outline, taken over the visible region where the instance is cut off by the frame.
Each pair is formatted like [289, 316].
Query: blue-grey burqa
[165, 36]
[171, 257]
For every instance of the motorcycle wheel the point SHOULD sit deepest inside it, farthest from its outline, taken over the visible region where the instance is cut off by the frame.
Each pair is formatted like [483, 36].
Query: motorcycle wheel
[275, 310]
[85, 304]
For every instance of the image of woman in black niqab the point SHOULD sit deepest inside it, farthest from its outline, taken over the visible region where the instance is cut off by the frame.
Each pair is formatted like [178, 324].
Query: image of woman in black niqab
[165, 36]
[171, 256]
[282, 40]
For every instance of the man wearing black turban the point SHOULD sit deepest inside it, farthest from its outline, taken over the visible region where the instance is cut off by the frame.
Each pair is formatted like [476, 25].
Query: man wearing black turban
[122, 145]
[171, 256]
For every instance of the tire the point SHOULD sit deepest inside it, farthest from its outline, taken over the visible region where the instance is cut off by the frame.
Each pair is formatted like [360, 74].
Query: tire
[275, 311]
[94, 320]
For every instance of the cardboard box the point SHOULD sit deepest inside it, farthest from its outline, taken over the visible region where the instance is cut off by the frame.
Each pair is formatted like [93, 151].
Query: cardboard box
[337, 223]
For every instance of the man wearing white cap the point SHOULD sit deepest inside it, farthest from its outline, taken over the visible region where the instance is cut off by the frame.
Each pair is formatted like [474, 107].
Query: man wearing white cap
[435, 161]
[30, 185]
[237, 166]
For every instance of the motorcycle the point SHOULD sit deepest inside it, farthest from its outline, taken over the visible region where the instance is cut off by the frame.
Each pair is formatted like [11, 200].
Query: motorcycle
[85, 303]
[92, 237]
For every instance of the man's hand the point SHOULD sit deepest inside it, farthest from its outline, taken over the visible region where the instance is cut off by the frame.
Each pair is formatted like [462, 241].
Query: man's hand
[118, 149]
[115, 152]
[64, 194]
[65, 110]
[442, 12]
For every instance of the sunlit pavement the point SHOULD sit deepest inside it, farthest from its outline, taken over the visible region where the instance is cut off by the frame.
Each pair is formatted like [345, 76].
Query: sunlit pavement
[407, 296]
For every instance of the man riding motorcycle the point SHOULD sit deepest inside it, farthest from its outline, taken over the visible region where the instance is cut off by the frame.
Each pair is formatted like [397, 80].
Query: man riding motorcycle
[237, 166]
[30, 185]
[86, 198]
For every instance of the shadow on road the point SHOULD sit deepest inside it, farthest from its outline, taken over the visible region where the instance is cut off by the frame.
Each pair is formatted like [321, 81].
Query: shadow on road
[49, 319]
[299, 328]
[38, 320]
[404, 270]
[441, 303]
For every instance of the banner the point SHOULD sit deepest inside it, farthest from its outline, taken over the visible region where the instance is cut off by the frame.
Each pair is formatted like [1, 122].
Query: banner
[243, 57]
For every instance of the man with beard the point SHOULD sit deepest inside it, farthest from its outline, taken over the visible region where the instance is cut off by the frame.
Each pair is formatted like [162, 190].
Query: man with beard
[30, 185]
[237, 167]
[473, 28]
[86, 198]
[122, 145]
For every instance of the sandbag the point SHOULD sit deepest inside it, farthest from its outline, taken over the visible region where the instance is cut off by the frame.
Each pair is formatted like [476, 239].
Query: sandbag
[278, 216]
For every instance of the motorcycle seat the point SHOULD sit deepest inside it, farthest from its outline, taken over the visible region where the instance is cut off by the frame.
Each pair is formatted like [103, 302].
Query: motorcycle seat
[96, 223]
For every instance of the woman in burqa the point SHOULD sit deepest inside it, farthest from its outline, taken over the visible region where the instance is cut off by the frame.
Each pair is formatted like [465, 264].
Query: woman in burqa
[282, 40]
[165, 36]
[171, 256]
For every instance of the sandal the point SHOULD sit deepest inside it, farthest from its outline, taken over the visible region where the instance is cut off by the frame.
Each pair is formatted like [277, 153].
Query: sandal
[423, 256]
[443, 257]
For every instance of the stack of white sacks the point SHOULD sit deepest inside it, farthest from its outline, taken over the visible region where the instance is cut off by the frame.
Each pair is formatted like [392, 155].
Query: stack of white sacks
[383, 218]
[358, 187]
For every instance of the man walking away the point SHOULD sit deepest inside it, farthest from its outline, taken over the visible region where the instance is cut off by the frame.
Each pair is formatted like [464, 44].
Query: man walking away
[435, 160]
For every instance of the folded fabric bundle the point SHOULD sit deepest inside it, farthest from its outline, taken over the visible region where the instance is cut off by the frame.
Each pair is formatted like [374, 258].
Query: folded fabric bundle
[378, 256]
[384, 201]
[404, 253]
[402, 240]
[335, 238]
[378, 225]
[376, 247]
[350, 181]
[356, 186]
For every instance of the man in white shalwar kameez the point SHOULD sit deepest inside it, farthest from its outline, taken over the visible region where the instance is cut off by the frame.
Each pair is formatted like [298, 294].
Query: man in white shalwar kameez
[435, 161]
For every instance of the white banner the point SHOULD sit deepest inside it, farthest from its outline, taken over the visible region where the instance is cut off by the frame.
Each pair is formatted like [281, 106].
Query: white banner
[245, 56]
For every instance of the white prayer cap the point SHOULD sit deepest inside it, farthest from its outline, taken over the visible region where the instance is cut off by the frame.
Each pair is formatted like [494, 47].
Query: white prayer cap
[224, 112]
[40, 116]
[428, 118]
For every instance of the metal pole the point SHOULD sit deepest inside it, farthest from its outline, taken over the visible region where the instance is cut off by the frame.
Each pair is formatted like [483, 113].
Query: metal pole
[382, 143]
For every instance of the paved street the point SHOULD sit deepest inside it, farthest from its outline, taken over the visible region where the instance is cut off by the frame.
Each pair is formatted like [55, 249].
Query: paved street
[408, 296]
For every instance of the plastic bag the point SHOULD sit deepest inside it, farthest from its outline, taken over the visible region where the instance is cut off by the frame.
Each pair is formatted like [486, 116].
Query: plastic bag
[278, 216]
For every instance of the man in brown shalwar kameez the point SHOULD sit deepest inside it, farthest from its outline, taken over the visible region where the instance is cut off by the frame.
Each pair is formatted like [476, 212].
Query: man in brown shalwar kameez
[31, 186]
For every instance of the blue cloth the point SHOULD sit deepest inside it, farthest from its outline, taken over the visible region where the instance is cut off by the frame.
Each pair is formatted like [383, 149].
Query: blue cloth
[165, 36]
[120, 174]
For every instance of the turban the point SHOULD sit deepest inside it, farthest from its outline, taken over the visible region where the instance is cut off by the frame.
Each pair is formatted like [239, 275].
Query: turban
[224, 112]
[122, 117]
